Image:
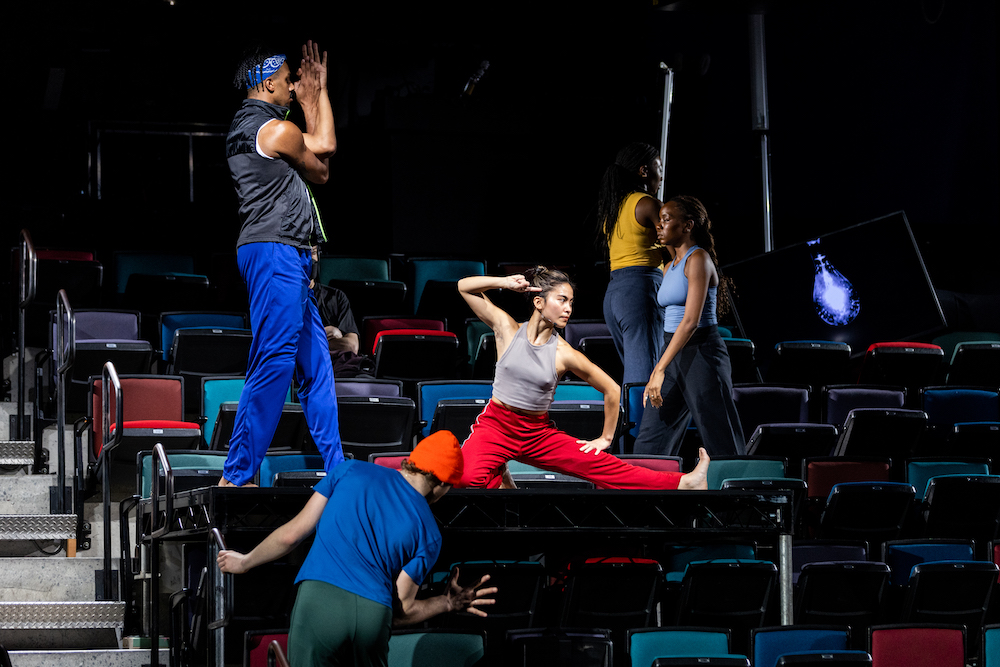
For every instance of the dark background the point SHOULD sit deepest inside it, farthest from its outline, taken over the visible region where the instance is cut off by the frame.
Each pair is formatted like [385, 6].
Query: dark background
[874, 108]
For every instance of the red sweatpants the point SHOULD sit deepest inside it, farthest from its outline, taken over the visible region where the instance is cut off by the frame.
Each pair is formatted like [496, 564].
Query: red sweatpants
[500, 435]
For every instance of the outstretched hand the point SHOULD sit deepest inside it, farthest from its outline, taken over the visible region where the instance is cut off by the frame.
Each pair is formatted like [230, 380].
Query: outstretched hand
[517, 283]
[468, 599]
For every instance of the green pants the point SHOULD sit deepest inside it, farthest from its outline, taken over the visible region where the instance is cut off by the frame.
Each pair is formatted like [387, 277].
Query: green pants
[331, 626]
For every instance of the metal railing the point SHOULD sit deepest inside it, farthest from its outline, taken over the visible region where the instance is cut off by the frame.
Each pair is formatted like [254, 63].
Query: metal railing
[275, 656]
[65, 356]
[109, 379]
[26, 295]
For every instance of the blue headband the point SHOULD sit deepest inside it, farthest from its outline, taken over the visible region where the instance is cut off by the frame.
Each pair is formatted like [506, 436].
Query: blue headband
[256, 77]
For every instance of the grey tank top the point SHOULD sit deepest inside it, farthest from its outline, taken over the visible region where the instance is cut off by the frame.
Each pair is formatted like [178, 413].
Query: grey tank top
[526, 374]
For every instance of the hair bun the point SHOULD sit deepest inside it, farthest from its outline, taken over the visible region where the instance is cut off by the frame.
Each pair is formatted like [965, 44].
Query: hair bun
[537, 271]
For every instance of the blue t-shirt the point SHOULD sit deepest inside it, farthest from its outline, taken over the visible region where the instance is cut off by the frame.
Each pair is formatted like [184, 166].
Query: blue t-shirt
[673, 295]
[374, 525]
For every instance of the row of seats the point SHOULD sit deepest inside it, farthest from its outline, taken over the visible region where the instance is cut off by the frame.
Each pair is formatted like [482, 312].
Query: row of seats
[376, 416]
[881, 645]
[424, 286]
[814, 363]
[198, 344]
[780, 646]
[829, 589]
[837, 497]
[960, 358]
[156, 282]
[972, 358]
[198, 351]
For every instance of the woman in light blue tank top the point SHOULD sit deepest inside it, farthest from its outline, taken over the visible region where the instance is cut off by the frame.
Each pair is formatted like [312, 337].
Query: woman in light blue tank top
[693, 378]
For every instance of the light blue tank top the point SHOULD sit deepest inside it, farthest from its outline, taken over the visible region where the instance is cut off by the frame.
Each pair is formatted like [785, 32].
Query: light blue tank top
[673, 294]
[526, 374]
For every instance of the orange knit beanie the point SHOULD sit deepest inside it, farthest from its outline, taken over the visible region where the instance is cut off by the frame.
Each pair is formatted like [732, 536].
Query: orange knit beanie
[439, 454]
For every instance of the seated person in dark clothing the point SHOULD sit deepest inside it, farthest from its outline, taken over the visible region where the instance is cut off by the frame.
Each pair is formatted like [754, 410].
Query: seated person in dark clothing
[341, 330]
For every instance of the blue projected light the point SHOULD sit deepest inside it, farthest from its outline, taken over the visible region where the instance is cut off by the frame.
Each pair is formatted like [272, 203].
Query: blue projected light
[834, 296]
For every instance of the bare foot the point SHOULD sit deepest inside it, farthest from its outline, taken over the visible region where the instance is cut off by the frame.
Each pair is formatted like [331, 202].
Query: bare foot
[697, 479]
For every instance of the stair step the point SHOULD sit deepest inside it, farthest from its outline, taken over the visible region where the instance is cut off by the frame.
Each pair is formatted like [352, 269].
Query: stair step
[61, 625]
[17, 452]
[61, 615]
[26, 494]
[93, 658]
[55, 578]
[37, 526]
[8, 416]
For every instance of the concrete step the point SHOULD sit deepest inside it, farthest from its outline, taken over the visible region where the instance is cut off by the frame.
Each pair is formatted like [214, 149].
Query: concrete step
[8, 413]
[10, 372]
[92, 658]
[26, 494]
[50, 579]
[46, 625]
[50, 442]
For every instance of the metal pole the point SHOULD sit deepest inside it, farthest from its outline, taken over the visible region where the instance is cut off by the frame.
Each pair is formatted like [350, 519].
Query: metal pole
[65, 355]
[668, 101]
[26, 294]
[760, 123]
[785, 576]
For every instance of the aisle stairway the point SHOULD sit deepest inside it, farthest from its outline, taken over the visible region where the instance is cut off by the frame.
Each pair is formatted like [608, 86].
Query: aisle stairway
[50, 608]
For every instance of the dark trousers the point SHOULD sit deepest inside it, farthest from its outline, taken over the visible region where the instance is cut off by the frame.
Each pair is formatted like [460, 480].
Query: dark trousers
[698, 385]
[331, 626]
[635, 319]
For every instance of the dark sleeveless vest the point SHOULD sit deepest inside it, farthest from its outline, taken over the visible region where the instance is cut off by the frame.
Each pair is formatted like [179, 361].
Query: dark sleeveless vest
[274, 201]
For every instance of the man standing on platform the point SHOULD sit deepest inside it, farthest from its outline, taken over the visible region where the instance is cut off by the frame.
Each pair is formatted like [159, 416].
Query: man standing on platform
[270, 160]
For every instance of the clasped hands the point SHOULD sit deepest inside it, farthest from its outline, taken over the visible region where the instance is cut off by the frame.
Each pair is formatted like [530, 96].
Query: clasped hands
[312, 73]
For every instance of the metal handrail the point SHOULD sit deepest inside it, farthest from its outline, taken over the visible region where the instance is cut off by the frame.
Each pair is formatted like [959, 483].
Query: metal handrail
[126, 562]
[26, 294]
[65, 353]
[109, 377]
[160, 456]
[29, 270]
[65, 327]
[276, 655]
[159, 459]
[223, 594]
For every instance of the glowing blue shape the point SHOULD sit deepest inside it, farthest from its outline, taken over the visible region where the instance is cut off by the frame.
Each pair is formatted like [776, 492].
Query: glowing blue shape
[834, 296]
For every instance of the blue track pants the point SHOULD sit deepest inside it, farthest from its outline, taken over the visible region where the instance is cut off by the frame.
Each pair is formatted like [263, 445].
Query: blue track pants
[288, 337]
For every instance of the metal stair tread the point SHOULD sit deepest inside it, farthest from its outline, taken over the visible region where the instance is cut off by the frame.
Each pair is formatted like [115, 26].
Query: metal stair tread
[17, 452]
[61, 615]
[38, 526]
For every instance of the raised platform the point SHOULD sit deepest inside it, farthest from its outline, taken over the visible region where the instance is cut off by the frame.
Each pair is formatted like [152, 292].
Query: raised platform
[563, 523]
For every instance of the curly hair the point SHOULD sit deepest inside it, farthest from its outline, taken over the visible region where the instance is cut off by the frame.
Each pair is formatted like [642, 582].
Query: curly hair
[410, 468]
